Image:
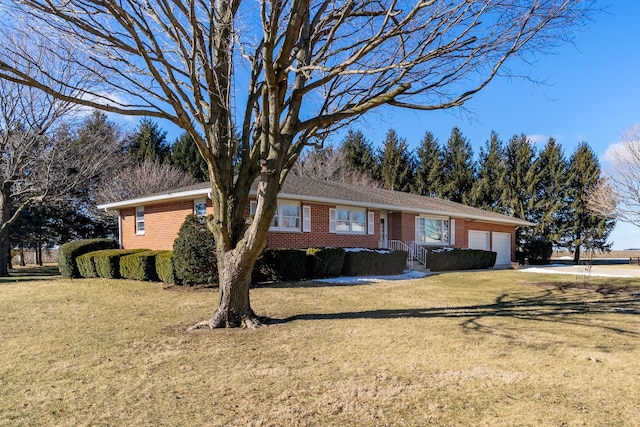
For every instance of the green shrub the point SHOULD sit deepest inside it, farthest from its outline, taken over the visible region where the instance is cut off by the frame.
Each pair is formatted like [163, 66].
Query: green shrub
[363, 262]
[281, 265]
[164, 267]
[324, 262]
[107, 262]
[86, 265]
[68, 253]
[460, 259]
[139, 266]
[538, 251]
[194, 258]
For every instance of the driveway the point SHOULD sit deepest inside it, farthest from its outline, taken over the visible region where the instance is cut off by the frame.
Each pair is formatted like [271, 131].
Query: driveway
[596, 270]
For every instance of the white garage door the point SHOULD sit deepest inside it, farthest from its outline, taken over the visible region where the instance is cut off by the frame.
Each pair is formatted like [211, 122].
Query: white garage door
[502, 246]
[479, 240]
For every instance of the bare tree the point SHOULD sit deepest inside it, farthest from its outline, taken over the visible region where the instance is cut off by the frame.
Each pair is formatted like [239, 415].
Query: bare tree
[142, 179]
[40, 161]
[280, 73]
[618, 194]
[330, 163]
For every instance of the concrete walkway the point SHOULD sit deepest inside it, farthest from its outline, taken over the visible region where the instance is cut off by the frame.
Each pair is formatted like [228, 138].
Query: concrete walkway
[596, 270]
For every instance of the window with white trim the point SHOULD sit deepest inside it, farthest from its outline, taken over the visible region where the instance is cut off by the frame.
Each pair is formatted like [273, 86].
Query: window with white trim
[286, 218]
[348, 220]
[200, 207]
[432, 231]
[140, 220]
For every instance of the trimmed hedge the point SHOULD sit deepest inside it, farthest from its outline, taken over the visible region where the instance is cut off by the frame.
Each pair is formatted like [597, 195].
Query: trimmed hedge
[164, 267]
[69, 252]
[281, 265]
[86, 265]
[324, 262]
[107, 262]
[362, 262]
[139, 266]
[460, 259]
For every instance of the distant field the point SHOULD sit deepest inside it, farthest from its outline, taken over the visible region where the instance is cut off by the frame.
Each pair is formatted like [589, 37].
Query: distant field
[612, 254]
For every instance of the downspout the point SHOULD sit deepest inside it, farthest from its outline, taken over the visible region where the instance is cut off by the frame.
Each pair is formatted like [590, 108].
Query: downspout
[119, 229]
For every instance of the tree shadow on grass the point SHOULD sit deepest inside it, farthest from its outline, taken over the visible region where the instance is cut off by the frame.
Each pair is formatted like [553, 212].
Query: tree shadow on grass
[25, 274]
[552, 305]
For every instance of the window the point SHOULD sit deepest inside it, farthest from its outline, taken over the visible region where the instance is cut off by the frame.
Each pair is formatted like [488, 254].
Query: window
[140, 220]
[348, 220]
[287, 217]
[432, 230]
[200, 207]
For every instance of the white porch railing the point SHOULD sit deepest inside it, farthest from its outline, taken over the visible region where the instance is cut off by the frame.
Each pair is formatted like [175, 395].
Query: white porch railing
[415, 252]
[398, 245]
[419, 252]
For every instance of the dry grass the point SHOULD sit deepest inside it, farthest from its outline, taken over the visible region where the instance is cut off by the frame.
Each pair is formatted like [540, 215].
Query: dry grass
[488, 348]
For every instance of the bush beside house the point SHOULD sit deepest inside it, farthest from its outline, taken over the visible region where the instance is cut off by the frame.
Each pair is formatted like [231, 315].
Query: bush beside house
[361, 262]
[324, 262]
[194, 258]
[164, 267]
[460, 259]
[69, 252]
[139, 266]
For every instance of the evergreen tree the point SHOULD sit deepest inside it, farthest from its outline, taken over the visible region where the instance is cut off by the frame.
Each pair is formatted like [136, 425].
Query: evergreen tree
[459, 168]
[359, 154]
[548, 207]
[486, 192]
[185, 155]
[516, 185]
[194, 256]
[586, 230]
[148, 142]
[429, 173]
[396, 164]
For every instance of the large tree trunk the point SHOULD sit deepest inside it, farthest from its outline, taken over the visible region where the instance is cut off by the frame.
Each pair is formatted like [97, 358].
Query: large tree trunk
[234, 278]
[5, 244]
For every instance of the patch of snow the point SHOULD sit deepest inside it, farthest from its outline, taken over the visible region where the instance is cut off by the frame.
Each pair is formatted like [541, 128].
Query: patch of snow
[406, 275]
[572, 272]
[380, 251]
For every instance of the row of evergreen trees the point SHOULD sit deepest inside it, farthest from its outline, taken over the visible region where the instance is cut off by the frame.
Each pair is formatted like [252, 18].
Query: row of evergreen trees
[513, 178]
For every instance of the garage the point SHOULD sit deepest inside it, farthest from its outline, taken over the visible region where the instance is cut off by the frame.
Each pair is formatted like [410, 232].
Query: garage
[501, 245]
[479, 240]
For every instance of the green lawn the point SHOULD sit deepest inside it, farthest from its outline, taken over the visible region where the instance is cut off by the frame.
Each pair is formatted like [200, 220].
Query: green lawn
[481, 348]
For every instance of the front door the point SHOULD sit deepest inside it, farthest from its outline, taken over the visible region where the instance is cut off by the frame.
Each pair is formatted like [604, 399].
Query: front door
[383, 230]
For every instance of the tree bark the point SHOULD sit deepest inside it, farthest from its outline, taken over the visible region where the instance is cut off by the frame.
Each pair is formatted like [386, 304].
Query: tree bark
[234, 279]
[5, 244]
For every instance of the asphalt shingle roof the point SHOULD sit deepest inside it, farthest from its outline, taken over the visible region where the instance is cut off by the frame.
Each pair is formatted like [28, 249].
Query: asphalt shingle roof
[312, 189]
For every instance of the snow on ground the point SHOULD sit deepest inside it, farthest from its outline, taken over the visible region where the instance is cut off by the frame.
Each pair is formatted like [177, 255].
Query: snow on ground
[573, 270]
[406, 275]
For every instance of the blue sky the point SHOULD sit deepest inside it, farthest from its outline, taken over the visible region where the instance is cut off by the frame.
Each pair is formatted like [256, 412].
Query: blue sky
[591, 93]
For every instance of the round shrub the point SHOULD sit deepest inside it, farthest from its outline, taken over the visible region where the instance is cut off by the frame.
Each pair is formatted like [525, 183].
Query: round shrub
[538, 251]
[194, 258]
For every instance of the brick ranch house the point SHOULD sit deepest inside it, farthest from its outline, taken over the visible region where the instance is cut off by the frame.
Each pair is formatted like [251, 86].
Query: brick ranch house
[320, 213]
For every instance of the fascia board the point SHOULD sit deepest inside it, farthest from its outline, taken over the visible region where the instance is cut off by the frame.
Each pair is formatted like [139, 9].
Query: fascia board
[158, 198]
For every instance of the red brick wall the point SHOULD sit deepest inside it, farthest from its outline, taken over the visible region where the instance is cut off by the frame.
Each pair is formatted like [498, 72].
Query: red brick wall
[402, 226]
[320, 235]
[162, 223]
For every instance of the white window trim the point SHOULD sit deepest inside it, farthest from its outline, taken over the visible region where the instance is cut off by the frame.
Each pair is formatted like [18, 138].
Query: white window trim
[333, 220]
[200, 202]
[444, 238]
[306, 219]
[138, 221]
[253, 206]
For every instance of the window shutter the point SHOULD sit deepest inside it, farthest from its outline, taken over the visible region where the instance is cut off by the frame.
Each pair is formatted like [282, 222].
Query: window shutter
[306, 219]
[371, 223]
[332, 220]
[253, 207]
[452, 232]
